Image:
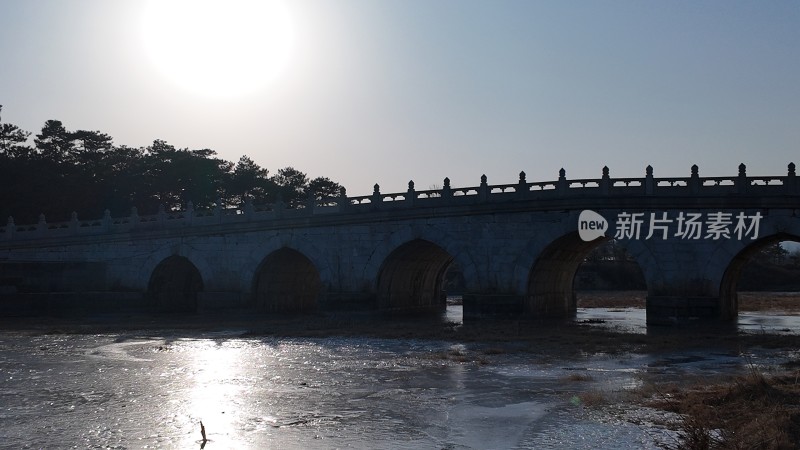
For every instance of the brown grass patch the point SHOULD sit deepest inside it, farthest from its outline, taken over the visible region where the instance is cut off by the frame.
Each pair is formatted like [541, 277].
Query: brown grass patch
[770, 301]
[611, 299]
[752, 411]
[578, 377]
[593, 398]
[748, 301]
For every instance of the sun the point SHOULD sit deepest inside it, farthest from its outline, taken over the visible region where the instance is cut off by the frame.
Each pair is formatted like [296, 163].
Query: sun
[218, 48]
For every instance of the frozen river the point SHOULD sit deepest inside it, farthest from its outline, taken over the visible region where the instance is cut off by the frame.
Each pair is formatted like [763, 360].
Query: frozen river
[151, 390]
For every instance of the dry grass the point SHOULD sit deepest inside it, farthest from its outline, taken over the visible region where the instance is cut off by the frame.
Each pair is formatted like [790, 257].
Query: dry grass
[788, 302]
[578, 377]
[753, 411]
[611, 299]
[592, 398]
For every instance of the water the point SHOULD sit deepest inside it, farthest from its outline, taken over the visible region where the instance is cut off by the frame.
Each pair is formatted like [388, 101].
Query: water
[151, 390]
[634, 320]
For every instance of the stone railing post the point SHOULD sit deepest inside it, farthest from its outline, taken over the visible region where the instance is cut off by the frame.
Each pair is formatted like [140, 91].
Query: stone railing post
[522, 186]
[649, 182]
[41, 226]
[311, 203]
[11, 227]
[483, 190]
[218, 208]
[161, 218]
[741, 180]
[561, 185]
[447, 192]
[791, 180]
[411, 194]
[188, 216]
[279, 207]
[343, 202]
[134, 219]
[605, 182]
[107, 220]
[73, 222]
[249, 210]
[694, 180]
[376, 198]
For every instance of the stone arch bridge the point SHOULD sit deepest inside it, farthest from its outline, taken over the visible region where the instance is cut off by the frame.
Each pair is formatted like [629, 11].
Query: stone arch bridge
[517, 245]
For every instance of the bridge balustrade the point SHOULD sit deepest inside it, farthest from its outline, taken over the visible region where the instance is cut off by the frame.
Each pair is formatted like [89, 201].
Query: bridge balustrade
[558, 190]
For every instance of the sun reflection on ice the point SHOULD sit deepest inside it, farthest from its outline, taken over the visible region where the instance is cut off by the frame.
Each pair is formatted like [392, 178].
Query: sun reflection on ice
[215, 389]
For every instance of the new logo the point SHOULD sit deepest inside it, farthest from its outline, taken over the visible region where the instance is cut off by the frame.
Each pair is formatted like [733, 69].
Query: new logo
[591, 225]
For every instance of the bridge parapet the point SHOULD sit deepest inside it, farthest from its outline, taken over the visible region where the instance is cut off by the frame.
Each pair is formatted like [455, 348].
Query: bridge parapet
[544, 192]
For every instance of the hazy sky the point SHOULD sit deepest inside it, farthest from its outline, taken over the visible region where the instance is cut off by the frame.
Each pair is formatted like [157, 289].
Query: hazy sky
[390, 91]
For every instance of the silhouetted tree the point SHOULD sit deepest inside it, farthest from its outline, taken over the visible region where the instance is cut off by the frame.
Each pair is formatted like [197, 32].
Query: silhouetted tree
[175, 177]
[12, 139]
[54, 143]
[83, 171]
[249, 180]
[322, 188]
[291, 185]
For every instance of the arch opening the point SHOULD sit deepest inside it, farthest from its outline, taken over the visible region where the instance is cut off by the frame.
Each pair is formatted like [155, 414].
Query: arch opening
[287, 282]
[174, 285]
[764, 275]
[569, 265]
[610, 288]
[412, 279]
[610, 277]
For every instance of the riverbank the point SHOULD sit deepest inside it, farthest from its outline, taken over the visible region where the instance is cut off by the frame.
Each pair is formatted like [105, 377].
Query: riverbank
[784, 302]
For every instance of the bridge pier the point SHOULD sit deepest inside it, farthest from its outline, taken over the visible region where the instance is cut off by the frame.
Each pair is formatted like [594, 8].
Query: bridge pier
[220, 300]
[492, 306]
[674, 310]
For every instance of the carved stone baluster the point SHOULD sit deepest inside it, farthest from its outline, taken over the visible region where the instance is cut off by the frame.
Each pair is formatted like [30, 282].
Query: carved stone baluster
[605, 182]
[343, 201]
[694, 180]
[188, 216]
[561, 185]
[377, 198]
[162, 215]
[41, 226]
[107, 220]
[741, 180]
[483, 190]
[447, 192]
[11, 228]
[134, 219]
[522, 186]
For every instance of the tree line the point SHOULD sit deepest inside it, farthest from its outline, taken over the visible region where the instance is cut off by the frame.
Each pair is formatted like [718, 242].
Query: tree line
[85, 172]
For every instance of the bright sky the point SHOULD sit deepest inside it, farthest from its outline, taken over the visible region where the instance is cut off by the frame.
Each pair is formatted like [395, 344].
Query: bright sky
[368, 91]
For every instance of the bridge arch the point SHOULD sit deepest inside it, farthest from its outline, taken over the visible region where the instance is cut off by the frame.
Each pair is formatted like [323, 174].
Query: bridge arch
[412, 277]
[728, 288]
[287, 281]
[256, 257]
[445, 241]
[174, 285]
[155, 258]
[549, 290]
